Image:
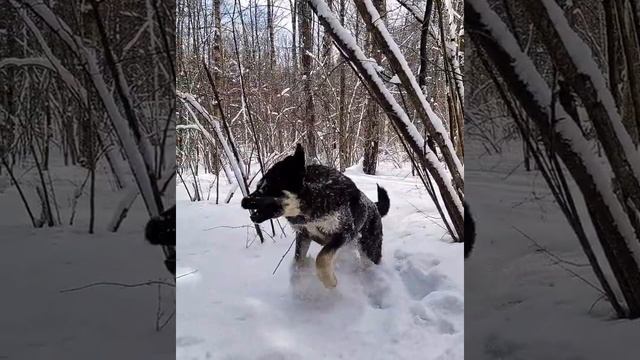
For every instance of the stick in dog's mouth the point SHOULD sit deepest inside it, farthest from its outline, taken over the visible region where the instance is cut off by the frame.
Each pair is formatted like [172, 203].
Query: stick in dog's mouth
[261, 208]
[255, 203]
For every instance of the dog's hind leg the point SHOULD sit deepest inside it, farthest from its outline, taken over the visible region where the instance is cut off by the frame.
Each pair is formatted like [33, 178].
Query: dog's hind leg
[371, 241]
[325, 260]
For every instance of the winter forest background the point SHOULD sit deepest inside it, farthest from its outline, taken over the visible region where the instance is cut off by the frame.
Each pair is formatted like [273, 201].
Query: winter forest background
[372, 88]
[280, 80]
[87, 124]
[537, 101]
[552, 133]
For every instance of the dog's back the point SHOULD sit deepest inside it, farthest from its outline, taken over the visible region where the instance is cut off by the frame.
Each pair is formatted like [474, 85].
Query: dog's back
[327, 190]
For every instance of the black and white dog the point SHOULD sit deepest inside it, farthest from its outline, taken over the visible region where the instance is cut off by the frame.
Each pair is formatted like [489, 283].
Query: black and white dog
[322, 205]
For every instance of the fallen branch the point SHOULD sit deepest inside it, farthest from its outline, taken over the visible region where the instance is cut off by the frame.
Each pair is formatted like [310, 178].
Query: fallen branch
[109, 283]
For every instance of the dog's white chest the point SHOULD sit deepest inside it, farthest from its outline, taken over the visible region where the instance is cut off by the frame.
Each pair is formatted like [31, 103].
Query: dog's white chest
[321, 227]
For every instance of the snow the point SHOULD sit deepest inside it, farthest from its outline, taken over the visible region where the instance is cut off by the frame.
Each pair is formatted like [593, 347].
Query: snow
[102, 322]
[230, 306]
[520, 303]
[187, 127]
[284, 91]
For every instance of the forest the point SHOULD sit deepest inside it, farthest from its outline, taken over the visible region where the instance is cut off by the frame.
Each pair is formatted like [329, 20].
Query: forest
[371, 88]
[551, 115]
[259, 78]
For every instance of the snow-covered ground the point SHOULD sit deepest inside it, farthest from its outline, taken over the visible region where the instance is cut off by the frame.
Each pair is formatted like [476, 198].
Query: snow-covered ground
[520, 303]
[230, 306]
[103, 322]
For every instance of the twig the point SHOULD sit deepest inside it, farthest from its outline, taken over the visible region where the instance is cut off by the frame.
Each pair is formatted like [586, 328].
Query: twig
[554, 256]
[559, 262]
[109, 283]
[430, 218]
[189, 273]
[159, 308]
[173, 313]
[603, 296]
[228, 227]
[252, 241]
[282, 258]
[284, 233]
[512, 170]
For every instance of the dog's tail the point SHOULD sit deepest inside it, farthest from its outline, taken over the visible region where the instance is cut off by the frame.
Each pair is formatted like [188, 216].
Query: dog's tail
[469, 231]
[383, 201]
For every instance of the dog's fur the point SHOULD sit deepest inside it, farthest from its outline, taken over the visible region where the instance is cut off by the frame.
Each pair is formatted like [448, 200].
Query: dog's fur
[322, 205]
[469, 231]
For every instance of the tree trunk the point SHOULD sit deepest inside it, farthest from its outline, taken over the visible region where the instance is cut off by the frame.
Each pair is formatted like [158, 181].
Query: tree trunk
[293, 4]
[272, 47]
[343, 149]
[373, 120]
[306, 32]
[366, 70]
[431, 121]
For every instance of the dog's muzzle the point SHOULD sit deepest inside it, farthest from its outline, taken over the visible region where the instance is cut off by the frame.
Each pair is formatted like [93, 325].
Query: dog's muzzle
[261, 208]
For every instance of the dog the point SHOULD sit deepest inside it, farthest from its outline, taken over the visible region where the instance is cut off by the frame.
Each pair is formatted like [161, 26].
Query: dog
[161, 230]
[469, 231]
[321, 205]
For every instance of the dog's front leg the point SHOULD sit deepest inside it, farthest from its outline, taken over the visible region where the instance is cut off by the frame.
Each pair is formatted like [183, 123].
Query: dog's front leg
[302, 247]
[325, 259]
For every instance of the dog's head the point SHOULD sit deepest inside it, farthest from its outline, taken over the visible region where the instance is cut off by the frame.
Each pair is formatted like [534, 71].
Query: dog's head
[276, 193]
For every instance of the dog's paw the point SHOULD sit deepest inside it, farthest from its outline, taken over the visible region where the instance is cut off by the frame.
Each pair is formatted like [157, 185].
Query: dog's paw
[303, 263]
[329, 280]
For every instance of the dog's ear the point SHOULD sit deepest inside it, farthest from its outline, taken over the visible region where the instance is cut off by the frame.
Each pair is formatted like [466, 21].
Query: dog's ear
[298, 158]
[299, 154]
[299, 165]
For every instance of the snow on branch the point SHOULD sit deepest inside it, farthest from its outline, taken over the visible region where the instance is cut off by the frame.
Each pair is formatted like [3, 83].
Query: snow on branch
[368, 71]
[134, 148]
[72, 83]
[594, 177]
[187, 127]
[431, 120]
[575, 60]
[565, 127]
[191, 102]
